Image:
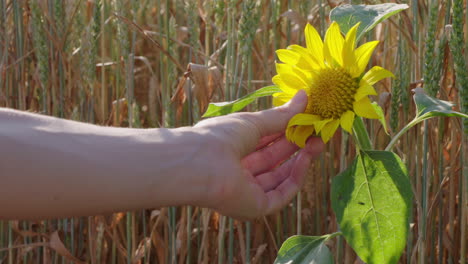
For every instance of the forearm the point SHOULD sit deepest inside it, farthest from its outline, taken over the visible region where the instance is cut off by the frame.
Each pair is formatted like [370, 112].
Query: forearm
[51, 167]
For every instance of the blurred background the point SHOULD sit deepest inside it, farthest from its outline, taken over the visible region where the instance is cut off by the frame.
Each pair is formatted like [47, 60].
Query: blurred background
[158, 63]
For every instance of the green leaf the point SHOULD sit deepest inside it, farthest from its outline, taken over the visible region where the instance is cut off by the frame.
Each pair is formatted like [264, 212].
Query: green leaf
[369, 15]
[381, 115]
[305, 249]
[224, 108]
[429, 107]
[372, 202]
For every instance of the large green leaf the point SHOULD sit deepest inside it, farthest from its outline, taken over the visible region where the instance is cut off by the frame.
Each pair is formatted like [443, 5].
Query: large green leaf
[305, 250]
[429, 107]
[224, 108]
[369, 15]
[372, 202]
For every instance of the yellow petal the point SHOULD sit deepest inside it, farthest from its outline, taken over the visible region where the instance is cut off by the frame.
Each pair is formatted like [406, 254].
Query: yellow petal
[364, 90]
[349, 60]
[306, 76]
[365, 109]
[301, 134]
[277, 80]
[329, 130]
[290, 78]
[346, 121]
[351, 36]
[288, 56]
[303, 119]
[284, 69]
[363, 54]
[314, 42]
[376, 74]
[306, 61]
[281, 98]
[289, 133]
[298, 121]
[320, 124]
[333, 46]
[283, 86]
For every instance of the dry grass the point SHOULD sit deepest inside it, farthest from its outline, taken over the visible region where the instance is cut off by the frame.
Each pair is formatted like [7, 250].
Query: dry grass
[155, 63]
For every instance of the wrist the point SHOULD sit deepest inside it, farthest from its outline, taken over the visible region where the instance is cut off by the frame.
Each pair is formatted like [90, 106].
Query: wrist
[214, 162]
[182, 159]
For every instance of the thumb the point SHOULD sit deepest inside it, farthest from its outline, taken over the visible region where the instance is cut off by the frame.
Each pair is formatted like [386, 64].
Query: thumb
[276, 119]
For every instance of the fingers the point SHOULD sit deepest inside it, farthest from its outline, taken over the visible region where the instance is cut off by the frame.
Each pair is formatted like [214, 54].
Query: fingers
[314, 147]
[270, 180]
[283, 193]
[275, 199]
[253, 199]
[280, 188]
[265, 141]
[267, 158]
[276, 119]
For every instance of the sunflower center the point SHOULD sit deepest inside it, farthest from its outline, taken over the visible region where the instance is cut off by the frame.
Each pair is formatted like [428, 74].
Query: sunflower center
[332, 93]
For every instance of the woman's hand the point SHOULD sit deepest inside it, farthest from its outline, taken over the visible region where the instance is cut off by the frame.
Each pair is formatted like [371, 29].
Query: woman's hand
[253, 169]
[240, 165]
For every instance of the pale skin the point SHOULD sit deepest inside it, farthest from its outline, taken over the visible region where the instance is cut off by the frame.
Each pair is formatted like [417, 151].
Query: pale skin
[240, 165]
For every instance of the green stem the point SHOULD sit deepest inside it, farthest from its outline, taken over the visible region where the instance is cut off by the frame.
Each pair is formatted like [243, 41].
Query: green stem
[330, 236]
[422, 234]
[248, 228]
[10, 242]
[129, 237]
[299, 214]
[402, 131]
[360, 134]
[440, 158]
[231, 241]
[189, 234]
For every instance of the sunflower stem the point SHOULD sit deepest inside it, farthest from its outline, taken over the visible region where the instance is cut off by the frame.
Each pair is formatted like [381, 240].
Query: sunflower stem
[402, 131]
[360, 135]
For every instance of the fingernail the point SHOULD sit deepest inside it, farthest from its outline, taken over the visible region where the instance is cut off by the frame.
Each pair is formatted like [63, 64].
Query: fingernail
[300, 97]
[299, 101]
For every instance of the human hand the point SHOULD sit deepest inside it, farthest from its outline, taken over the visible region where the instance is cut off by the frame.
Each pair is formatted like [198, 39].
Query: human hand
[254, 169]
[240, 165]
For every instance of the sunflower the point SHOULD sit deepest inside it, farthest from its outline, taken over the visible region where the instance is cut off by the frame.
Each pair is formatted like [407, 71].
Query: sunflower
[332, 74]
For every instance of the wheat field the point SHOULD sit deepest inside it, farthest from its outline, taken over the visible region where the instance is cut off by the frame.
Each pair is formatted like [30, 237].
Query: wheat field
[158, 63]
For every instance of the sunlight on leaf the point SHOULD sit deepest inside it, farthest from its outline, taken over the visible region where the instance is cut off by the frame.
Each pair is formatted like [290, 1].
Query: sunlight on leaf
[305, 249]
[372, 201]
[369, 15]
[429, 107]
[224, 108]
